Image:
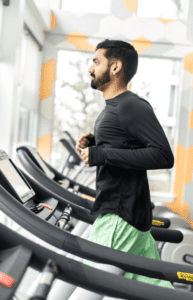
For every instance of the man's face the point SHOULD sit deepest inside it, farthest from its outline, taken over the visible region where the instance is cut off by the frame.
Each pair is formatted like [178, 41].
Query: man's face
[99, 71]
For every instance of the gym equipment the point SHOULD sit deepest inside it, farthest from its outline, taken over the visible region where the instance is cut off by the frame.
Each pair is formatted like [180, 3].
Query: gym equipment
[26, 211]
[159, 205]
[28, 154]
[175, 221]
[55, 180]
[70, 137]
[68, 160]
[76, 163]
[182, 253]
[37, 209]
[26, 252]
[159, 208]
[74, 160]
[15, 182]
[28, 163]
[88, 171]
[60, 290]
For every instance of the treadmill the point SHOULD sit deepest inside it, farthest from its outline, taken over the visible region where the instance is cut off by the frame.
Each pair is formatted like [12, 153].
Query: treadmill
[42, 212]
[51, 178]
[25, 152]
[17, 253]
[75, 161]
[48, 187]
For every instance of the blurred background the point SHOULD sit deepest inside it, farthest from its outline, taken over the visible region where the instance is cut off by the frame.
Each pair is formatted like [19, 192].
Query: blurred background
[46, 49]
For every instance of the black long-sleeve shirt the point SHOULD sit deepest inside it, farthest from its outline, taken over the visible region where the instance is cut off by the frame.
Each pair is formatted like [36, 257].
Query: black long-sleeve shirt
[128, 140]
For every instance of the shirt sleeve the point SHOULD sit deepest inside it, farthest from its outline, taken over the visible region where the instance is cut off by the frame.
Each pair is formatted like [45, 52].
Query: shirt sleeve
[137, 119]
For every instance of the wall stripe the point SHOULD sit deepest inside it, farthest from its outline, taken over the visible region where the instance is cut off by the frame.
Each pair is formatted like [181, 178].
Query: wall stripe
[188, 62]
[78, 39]
[184, 165]
[141, 44]
[53, 21]
[130, 5]
[165, 21]
[47, 79]
[44, 146]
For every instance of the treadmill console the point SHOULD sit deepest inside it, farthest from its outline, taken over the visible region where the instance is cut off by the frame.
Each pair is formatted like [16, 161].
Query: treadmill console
[16, 184]
[13, 180]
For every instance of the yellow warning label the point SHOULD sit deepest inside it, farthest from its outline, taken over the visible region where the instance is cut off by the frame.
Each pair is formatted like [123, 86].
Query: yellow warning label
[156, 222]
[186, 276]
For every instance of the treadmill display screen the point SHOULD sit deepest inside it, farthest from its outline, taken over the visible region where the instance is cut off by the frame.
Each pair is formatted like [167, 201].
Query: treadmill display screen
[43, 165]
[14, 178]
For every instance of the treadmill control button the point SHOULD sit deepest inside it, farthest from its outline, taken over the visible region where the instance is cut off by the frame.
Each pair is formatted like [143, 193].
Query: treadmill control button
[6, 280]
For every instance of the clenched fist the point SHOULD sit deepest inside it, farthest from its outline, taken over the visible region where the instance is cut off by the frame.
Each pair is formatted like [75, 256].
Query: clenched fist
[83, 142]
[85, 156]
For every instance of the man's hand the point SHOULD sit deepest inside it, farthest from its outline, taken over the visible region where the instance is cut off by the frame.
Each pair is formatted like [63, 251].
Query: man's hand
[82, 142]
[85, 155]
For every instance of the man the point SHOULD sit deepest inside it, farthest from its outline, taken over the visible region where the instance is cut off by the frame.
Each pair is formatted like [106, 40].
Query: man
[128, 140]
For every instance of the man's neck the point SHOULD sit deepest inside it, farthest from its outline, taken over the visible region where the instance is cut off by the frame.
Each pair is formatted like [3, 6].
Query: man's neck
[114, 94]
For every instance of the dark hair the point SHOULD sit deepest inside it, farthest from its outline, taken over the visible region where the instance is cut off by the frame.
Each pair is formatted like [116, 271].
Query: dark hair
[123, 51]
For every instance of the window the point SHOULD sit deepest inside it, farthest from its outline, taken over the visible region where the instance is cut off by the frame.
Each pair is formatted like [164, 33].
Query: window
[157, 81]
[77, 105]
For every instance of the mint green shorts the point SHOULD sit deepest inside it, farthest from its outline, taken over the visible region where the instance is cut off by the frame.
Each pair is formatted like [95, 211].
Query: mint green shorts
[113, 232]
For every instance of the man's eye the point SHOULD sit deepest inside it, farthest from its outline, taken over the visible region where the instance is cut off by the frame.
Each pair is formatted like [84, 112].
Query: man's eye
[96, 62]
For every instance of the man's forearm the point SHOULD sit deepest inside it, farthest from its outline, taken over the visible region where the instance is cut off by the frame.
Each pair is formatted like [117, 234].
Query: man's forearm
[150, 158]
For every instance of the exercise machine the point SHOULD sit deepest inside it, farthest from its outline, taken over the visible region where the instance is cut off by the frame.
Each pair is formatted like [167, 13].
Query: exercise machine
[75, 161]
[29, 158]
[48, 176]
[182, 253]
[41, 212]
[17, 253]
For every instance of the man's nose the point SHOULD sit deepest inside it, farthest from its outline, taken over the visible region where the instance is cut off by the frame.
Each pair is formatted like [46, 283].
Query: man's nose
[90, 70]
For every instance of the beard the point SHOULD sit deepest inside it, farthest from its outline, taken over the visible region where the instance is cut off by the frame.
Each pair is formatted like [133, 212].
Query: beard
[103, 79]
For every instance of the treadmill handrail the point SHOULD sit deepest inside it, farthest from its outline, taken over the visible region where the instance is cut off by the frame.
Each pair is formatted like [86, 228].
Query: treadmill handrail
[33, 169]
[9, 265]
[77, 158]
[40, 176]
[89, 250]
[71, 138]
[84, 189]
[65, 163]
[92, 279]
[77, 211]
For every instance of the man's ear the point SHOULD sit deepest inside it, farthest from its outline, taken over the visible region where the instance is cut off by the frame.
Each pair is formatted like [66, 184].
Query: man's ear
[119, 64]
